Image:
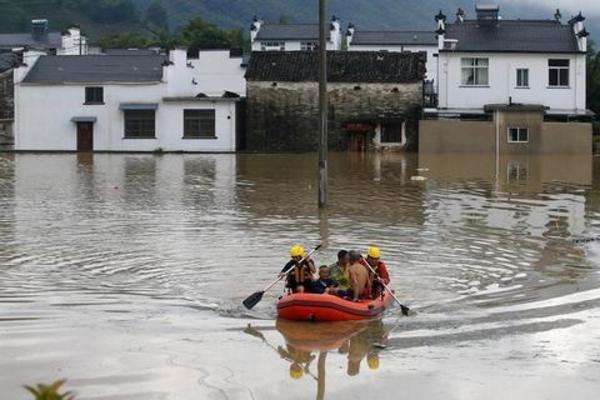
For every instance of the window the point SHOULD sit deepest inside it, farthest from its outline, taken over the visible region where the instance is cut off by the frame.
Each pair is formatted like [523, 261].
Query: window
[522, 77]
[391, 133]
[270, 46]
[475, 71]
[310, 46]
[558, 73]
[198, 123]
[518, 135]
[139, 124]
[94, 95]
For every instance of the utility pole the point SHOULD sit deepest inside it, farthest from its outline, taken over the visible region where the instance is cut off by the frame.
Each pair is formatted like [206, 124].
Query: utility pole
[323, 104]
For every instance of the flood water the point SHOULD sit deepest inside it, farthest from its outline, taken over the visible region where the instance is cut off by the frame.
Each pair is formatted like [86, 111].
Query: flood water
[125, 275]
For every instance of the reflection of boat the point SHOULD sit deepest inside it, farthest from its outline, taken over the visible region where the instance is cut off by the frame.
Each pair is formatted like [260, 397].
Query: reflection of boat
[325, 307]
[322, 337]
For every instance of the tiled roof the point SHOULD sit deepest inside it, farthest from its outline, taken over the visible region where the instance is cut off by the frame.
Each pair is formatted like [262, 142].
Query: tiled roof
[366, 38]
[289, 32]
[96, 69]
[520, 36]
[343, 66]
[52, 40]
[8, 61]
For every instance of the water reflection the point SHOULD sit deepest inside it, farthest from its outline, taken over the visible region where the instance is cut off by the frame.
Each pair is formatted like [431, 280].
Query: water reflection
[306, 344]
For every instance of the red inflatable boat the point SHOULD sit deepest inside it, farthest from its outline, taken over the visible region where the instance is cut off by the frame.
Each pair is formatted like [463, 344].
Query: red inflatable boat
[325, 307]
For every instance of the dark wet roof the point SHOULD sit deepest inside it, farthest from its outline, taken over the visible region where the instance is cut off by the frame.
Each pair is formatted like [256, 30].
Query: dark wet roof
[131, 52]
[519, 36]
[8, 61]
[345, 66]
[394, 38]
[96, 69]
[52, 40]
[288, 32]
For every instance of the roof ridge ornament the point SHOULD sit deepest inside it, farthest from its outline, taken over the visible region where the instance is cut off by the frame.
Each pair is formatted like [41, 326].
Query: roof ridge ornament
[440, 17]
[557, 15]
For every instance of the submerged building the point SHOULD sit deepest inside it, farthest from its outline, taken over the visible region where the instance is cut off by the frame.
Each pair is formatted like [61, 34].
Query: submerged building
[375, 99]
[506, 85]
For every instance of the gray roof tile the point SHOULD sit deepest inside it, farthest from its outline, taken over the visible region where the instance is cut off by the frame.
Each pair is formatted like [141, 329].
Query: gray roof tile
[8, 61]
[519, 36]
[288, 32]
[346, 66]
[96, 69]
[421, 38]
[11, 40]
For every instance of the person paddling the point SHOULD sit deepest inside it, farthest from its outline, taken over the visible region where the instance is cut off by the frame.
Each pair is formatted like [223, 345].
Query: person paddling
[301, 277]
[374, 260]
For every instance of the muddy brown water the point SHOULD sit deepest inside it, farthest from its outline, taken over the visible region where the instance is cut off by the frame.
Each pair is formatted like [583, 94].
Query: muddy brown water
[125, 275]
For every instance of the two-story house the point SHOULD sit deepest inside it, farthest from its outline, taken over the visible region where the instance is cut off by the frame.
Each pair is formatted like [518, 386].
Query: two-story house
[130, 102]
[292, 37]
[520, 75]
[396, 41]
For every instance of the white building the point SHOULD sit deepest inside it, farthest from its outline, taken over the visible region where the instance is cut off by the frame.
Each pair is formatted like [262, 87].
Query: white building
[129, 102]
[292, 37]
[412, 41]
[490, 60]
[69, 42]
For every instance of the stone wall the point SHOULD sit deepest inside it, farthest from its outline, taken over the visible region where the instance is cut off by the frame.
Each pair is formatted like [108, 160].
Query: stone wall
[283, 116]
[6, 109]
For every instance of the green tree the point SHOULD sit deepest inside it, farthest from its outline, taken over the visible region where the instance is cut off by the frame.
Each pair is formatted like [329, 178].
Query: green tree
[124, 41]
[593, 78]
[157, 16]
[199, 34]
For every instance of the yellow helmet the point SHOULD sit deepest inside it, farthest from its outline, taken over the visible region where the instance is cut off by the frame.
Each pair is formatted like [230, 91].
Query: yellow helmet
[373, 361]
[374, 252]
[297, 251]
[296, 371]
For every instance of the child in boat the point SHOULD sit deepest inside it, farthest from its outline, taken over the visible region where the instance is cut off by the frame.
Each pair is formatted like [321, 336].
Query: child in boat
[325, 284]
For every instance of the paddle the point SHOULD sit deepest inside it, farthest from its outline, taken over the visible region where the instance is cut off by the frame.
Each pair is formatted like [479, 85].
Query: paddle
[256, 297]
[405, 310]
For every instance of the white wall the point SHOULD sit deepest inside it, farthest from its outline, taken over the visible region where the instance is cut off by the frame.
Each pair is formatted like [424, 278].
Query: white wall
[502, 81]
[296, 45]
[432, 51]
[215, 72]
[73, 43]
[43, 119]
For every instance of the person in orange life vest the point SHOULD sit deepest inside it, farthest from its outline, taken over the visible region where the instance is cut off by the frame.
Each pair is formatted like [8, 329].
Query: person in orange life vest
[374, 260]
[301, 277]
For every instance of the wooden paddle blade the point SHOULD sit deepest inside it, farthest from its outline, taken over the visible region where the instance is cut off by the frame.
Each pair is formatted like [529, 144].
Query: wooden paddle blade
[253, 300]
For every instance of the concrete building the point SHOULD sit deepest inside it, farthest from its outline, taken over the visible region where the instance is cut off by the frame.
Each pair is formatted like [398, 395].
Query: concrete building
[375, 99]
[129, 102]
[68, 42]
[399, 41]
[518, 78]
[292, 37]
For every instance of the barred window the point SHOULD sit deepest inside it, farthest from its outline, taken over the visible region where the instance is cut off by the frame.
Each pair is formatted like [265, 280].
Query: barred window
[140, 124]
[198, 123]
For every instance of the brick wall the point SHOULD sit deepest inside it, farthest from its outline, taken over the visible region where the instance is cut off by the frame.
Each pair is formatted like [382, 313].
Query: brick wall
[283, 116]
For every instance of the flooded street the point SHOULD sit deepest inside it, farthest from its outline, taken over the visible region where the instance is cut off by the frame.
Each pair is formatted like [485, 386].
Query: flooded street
[125, 275]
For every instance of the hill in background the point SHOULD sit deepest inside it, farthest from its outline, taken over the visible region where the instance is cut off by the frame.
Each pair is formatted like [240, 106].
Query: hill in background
[101, 17]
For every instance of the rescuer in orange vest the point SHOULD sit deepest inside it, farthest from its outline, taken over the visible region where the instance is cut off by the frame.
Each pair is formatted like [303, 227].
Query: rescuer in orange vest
[301, 277]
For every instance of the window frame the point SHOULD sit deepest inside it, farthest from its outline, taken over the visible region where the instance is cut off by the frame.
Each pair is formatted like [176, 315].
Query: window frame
[519, 131]
[91, 99]
[140, 120]
[476, 69]
[272, 45]
[199, 119]
[519, 77]
[308, 45]
[559, 76]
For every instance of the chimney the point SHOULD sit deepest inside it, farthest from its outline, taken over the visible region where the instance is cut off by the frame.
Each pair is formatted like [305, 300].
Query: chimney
[39, 29]
[487, 14]
[460, 16]
[577, 25]
[254, 28]
[440, 18]
[349, 34]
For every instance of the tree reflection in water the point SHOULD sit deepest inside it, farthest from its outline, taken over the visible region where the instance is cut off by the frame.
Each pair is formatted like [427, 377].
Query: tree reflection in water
[306, 341]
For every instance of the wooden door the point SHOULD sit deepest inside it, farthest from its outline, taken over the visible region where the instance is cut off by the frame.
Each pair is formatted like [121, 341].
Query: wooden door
[85, 136]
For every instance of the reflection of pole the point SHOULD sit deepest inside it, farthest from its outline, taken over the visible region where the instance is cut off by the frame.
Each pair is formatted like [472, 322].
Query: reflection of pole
[322, 105]
[324, 228]
[321, 375]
